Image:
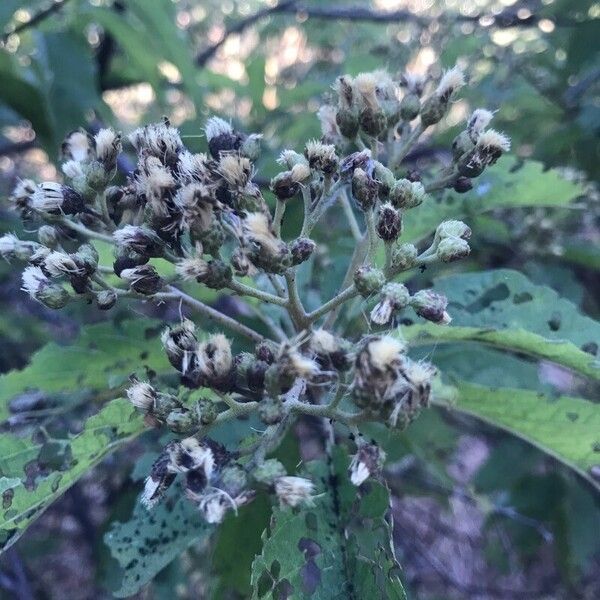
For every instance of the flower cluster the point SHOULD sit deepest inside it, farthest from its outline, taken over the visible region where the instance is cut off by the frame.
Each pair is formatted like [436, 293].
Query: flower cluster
[205, 214]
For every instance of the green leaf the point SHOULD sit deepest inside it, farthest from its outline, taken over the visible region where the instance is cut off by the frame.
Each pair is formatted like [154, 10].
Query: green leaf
[150, 540]
[509, 184]
[102, 434]
[505, 310]
[513, 340]
[100, 361]
[338, 548]
[567, 428]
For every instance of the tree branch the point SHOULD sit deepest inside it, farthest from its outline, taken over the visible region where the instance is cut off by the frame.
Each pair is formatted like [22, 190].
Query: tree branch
[36, 19]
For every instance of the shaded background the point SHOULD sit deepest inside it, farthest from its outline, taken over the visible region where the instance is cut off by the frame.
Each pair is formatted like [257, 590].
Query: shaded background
[477, 514]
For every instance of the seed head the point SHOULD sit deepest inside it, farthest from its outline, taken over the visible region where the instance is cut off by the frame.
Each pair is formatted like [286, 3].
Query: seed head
[367, 462]
[477, 123]
[142, 395]
[394, 297]
[321, 157]
[292, 491]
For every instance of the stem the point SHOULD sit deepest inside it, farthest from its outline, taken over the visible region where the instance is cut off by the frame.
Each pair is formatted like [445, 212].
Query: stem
[307, 203]
[210, 313]
[83, 230]
[407, 145]
[442, 182]
[277, 219]
[347, 207]
[246, 290]
[344, 296]
[294, 304]
[371, 235]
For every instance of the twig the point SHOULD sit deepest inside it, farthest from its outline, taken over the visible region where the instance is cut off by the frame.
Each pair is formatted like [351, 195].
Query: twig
[36, 19]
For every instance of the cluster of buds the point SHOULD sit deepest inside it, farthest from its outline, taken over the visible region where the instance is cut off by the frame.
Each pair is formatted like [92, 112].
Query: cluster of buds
[205, 215]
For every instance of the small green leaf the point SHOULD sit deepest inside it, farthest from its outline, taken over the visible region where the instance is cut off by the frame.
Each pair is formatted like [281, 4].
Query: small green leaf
[338, 548]
[567, 428]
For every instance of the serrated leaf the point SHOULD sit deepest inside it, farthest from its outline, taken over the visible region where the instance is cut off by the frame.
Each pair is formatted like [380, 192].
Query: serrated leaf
[508, 184]
[338, 548]
[150, 540]
[102, 434]
[99, 360]
[567, 428]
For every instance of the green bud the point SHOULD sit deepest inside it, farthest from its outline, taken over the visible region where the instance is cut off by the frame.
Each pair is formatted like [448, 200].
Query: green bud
[250, 147]
[89, 257]
[96, 176]
[372, 121]
[433, 110]
[368, 280]
[347, 122]
[407, 194]
[268, 471]
[389, 223]
[301, 249]
[471, 165]
[385, 178]
[452, 248]
[284, 186]
[404, 256]
[182, 421]
[364, 189]
[207, 412]
[52, 295]
[218, 274]
[410, 107]
[212, 238]
[164, 405]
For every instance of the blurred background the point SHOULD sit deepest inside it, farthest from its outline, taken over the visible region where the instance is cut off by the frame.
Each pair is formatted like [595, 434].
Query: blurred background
[477, 514]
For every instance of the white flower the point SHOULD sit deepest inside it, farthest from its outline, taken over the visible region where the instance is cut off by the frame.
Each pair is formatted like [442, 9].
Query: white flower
[451, 81]
[142, 396]
[33, 279]
[215, 127]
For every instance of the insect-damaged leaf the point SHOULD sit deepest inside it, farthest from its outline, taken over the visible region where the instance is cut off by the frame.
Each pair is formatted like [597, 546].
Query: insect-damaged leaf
[338, 548]
[24, 460]
[567, 428]
[99, 361]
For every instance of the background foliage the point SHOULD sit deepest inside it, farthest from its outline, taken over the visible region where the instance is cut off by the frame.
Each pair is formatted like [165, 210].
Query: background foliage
[494, 491]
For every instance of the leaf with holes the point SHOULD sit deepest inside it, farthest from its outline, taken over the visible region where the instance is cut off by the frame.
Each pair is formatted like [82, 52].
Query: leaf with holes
[70, 458]
[338, 548]
[566, 428]
[150, 540]
[98, 364]
[505, 310]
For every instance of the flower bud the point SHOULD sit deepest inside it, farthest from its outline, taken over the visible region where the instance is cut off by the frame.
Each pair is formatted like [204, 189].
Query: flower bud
[301, 250]
[321, 157]
[389, 223]
[356, 160]
[435, 107]
[206, 409]
[182, 421]
[106, 299]
[292, 491]
[180, 345]
[214, 361]
[462, 185]
[158, 140]
[250, 147]
[384, 177]
[451, 249]
[240, 262]
[268, 471]
[284, 186]
[265, 351]
[266, 251]
[410, 107]
[56, 199]
[88, 256]
[478, 121]
[40, 288]
[432, 111]
[77, 146]
[127, 259]
[347, 122]
[214, 274]
[221, 137]
[368, 280]
[157, 483]
[407, 194]
[143, 279]
[143, 396]
[291, 159]
[330, 350]
[364, 189]
[452, 228]
[394, 297]
[367, 462]
[12, 247]
[404, 256]
[139, 239]
[107, 146]
[431, 306]
[22, 195]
